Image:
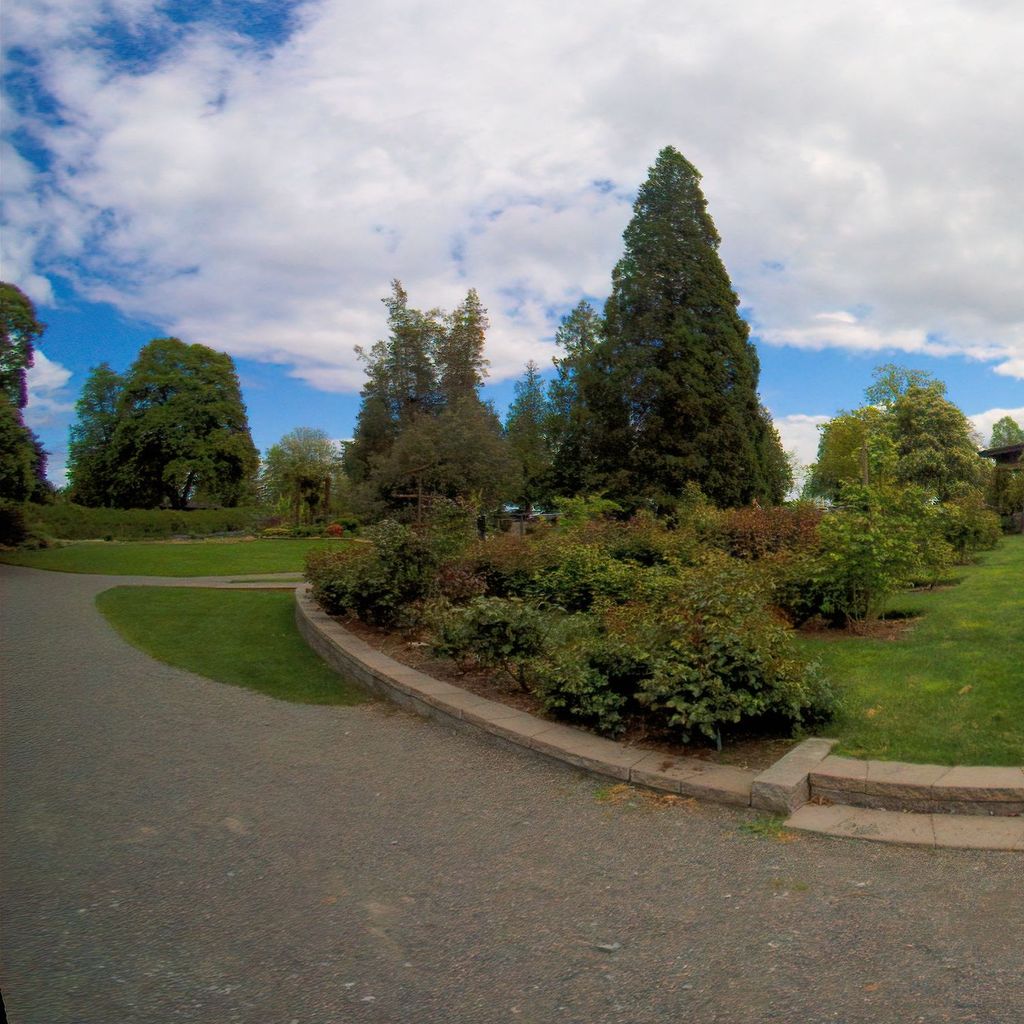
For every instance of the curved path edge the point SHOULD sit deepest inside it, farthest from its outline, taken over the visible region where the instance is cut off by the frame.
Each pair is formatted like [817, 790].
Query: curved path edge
[932, 805]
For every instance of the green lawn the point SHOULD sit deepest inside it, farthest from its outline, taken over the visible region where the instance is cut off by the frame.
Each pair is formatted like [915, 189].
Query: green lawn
[243, 637]
[194, 558]
[951, 689]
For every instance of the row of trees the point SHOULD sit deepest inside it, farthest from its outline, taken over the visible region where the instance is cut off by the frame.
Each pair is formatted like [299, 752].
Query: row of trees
[648, 400]
[909, 434]
[658, 394]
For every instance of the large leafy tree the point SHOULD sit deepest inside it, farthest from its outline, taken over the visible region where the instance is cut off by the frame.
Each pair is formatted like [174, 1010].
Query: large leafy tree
[910, 435]
[671, 389]
[1006, 431]
[181, 428]
[18, 453]
[92, 470]
[19, 331]
[300, 470]
[22, 458]
[934, 442]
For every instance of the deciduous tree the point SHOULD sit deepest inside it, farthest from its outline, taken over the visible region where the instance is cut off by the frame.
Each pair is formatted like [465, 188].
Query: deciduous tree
[300, 471]
[181, 426]
[92, 471]
[1006, 431]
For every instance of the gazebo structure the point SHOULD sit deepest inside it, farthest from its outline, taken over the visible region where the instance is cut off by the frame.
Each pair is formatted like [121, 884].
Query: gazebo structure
[1009, 458]
[1008, 455]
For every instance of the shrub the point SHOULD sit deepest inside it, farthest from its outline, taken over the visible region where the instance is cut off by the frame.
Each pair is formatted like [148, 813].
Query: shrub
[585, 508]
[13, 525]
[969, 526]
[508, 563]
[381, 582]
[335, 530]
[501, 633]
[718, 658]
[584, 574]
[590, 675]
[880, 541]
[756, 532]
[337, 576]
[76, 522]
[457, 583]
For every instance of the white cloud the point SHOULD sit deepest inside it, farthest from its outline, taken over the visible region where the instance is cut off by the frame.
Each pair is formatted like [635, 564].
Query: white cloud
[800, 434]
[48, 400]
[863, 159]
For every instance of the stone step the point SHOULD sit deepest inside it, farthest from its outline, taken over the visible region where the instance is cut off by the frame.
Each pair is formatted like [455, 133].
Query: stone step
[921, 788]
[955, 831]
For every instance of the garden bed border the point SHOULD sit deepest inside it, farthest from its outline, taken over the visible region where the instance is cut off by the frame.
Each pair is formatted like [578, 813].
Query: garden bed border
[807, 773]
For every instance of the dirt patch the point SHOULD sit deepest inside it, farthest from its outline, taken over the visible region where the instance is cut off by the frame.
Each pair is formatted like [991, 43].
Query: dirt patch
[410, 648]
[892, 628]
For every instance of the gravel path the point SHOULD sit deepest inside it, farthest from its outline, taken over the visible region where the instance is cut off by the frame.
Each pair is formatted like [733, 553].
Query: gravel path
[179, 850]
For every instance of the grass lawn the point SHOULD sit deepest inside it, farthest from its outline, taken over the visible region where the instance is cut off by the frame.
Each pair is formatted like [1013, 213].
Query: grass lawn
[950, 690]
[192, 558]
[243, 637]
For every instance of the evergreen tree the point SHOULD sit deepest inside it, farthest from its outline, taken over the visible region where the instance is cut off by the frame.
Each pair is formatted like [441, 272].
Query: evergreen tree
[410, 374]
[401, 382]
[92, 471]
[461, 366]
[572, 460]
[526, 430]
[671, 390]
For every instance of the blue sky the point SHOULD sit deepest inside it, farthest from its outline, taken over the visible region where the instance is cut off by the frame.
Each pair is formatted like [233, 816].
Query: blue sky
[252, 175]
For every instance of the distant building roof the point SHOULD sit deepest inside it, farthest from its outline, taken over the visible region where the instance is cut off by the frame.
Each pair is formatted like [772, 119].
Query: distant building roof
[1007, 454]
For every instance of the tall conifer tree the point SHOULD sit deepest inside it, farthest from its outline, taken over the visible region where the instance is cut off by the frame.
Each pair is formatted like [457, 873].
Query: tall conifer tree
[671, 390]
[526, 428]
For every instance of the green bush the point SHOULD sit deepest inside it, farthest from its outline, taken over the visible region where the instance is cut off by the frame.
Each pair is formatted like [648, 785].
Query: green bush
[501, 633]
[586, 573]
[336, 575]
[76, 522]
[381, 582]
[719, 659]
[969, 526]
[878, 542]
[590, 675]
[13, 524]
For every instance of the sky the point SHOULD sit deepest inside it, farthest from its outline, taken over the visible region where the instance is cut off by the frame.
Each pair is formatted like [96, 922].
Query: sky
[252, 174]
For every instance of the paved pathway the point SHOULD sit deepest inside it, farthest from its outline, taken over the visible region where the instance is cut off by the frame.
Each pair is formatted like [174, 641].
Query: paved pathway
[178, 850]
